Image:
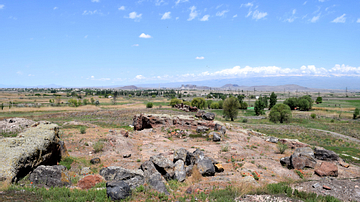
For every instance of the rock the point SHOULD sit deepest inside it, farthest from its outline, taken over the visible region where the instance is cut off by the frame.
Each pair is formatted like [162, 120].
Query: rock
[326, 187]
[188, 190]
[163, 165]
[327, 169]
[133, 178]
[180, 172]
[36, 146]
[126, 155]
[117, 190]
[180, 154]
[208, 116]
[89, 181]
[343, 164]
[293, 143]
[206, 168]
[148, 168]
[95, 161]
[51, 176]
[156, 182]
[285, 161]
[85, 171]
[63, 151]
[326, 155]
[202, 129]
[273, 139]
[303, 157]
[220, 128]
[200, 113]
[188, 170]
[316, 185]
[216, 137]
[198, 155]
[218, 168]
[304, 151]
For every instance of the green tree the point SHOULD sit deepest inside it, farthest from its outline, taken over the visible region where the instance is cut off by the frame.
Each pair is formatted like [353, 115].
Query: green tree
[221, 103]
[2, 106]
[208, 103]
[308, 98]
[231, 107]
[304, 104]
[241, 98]
[280, 113]
[319, 100]
[97, 103]
[264, 100]
[174, 102]
[149, 105]
[85, 101]
[214, 105]
[243, 105]
[259, 107]
[273, 100]
[356, 113]
[198, 102]
[291, 102]
[92, 100]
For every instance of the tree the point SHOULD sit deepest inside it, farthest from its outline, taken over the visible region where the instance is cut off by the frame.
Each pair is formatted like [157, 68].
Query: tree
[308, 98]
[208, 103]
[291, 102]
[264, 100]
[97, 102]
[214, 105]
[198, 102]
[92, 100]
[304, 104]
[280, 113]
[241, 98]
[243, 105]
[259, 107]
[174, 102]
[221, 103]
[273, 100]
[318, 100]
[2, 106]
[231, 108]
[58, 99]
[149, 105]
[356, 113]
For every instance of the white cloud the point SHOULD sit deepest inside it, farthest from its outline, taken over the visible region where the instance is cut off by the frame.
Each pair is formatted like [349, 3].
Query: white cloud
[205, 18]
[145, 36]
[217, 7]
[31, 75]
[315, 18]
[55, 8]
[19, 72]
[304, 2]
[85, 36]
[91, 12]
[96, 1]
[166, 16]
[181, 1]
[135, 16]
[193, 13]
[340, 19]
[247, 5]
[139, 77]
[92, 77]
[222, 13]
[135, 45]
[200, 58]
[258, 15]
[121, 8]
[101, 79]
[159, 2]
[294, 11]
[2, 6]
[235, 16]
[358, 20]
[292, 17]
[177, 18]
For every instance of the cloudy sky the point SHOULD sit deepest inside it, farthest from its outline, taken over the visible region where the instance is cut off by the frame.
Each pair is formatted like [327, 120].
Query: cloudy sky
[117, 42]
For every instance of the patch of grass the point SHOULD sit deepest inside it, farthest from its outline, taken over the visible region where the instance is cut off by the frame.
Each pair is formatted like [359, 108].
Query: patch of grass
[225, 148]
[82, 129]
[98, 146]
[281, 147]
[67, 161]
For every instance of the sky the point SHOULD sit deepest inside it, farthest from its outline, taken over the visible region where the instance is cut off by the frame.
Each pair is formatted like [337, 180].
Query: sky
[117, 42]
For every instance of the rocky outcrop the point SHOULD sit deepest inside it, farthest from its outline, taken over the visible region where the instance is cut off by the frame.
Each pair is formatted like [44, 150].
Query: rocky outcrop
[164, 166]
[38, 145]
[327, 169]
[180, 172]
[186, 108]
[50, 176]
[15, 124]
[206, 167]
[303, 157]
[142, 121]
[117, 190]
[202, 129]
[153, 177]
[208, 116]
[326, 155]
[180, 154]
[134, 178]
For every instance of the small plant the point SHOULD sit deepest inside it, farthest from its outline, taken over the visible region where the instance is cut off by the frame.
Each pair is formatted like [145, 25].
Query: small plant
[82, 130]
[300, 173]
[225, 148]
[149, 105]
[313, 116]
[253, 162]
[282, 147]
[138, 160]
[245, 120]
[256, 175]
[67, 161]
[98, 146]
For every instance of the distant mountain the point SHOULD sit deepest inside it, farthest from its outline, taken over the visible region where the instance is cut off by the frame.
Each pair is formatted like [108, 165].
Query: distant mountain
[132, 87]
[289, 87]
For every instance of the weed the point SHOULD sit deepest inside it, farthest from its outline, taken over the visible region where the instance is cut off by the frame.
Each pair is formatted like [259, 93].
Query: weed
[138, 160]
[281, 147]
[98, 146]
[67, 161]
[82, 129]
[225, 148]
[300, 173]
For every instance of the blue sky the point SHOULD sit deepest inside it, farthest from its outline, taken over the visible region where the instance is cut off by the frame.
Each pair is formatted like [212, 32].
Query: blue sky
[114, 42]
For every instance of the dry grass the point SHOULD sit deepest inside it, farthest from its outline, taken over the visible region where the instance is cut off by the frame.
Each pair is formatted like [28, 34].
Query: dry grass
[195, 177]
[47, 109]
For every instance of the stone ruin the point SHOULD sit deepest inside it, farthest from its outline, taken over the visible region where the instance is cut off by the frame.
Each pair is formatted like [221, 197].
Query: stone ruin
[186, 108]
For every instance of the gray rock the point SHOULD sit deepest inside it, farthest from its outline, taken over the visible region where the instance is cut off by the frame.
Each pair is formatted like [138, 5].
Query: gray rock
[51, 176]
[208, 116]
[326, 155]
[285, 161]
[85, 171]
[134, 178]
[200, 113]
[126, 155]
[300, 161]
[202, 129]
[206, 167]
[188, 170]
[305, 151]
[216, 137]
[316, 185]
[156, 182]
[220, 128]
[164, 166]
[180, 154]
[180, 172]
[199, 155]
[117, 190]
[273, 139]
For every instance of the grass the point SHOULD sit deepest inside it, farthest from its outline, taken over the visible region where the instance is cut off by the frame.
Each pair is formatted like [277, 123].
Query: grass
[67, 161]
[98, 146]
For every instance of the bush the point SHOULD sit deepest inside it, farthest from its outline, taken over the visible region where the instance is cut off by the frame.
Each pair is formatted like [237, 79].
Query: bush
[187, 103]
[174, 102]
[208, 103]
[67, 161]
[308, 98]
[313, 115]
[280, 113]
[304, 105]
[98, 146]
[319, 100]
[198, 102]
[356, 113]
[221, 103]
[291, 102]
[153, 96]
[82, 129]
[259, 107]
[231, 108]
[97, 102]
[149, 105]
[281, 147]
[214, 105]
[245, 120]
[243, 105]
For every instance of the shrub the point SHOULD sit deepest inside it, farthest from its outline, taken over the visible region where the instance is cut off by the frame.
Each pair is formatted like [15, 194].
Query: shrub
[174, 102]
[281, 147]
[245, 120]
[308, 98]
[97, 102]
[231, 108]
[67, 161]
[280, 113]
[313, 115]
[243, 105]
[273, 100]
[225, 148]
[319, 100]
[259, 107]
[153, 96]
[98, 146]
[304, 105]
[356, 113]
[214, 105]
[82, 129]
[208, 103]
[149, 105]
[198, 102]
[187, 103]
[291, 102]
[221, 103]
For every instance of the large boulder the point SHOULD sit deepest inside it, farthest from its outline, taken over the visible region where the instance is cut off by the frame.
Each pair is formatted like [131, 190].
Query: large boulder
[206, 167]
[180, 154]
[303, 157]
[38, 145]
[208, 116]
[89, 181]
[117, 190]
[324, 154]
[202, 129]
[153, 177]
[285, 161]
[200, 113]
[216, 137]
[163, 165]
[50, 176]
[134, 178]
[180, 172]
[327, 169]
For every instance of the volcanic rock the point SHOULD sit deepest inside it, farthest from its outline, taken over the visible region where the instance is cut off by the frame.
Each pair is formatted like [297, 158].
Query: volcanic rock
[50, 176]
[133, 178]
[117, 190]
